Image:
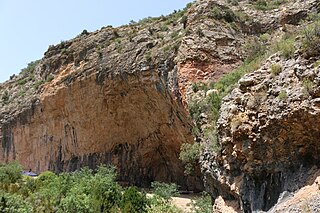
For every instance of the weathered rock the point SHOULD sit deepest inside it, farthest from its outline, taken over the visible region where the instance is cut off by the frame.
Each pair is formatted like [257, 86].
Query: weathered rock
[271, 141]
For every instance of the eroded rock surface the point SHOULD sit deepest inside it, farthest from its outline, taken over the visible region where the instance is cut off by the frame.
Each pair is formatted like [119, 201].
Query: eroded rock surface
[269, 133]
[117, 95]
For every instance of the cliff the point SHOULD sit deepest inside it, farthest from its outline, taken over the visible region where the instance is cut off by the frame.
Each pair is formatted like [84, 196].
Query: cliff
[117, 96]
[238, 77]
[268, 127]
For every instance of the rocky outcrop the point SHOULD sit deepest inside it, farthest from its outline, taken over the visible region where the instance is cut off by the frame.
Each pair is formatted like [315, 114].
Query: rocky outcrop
[117, 96]
[106, 97]
[269, 131]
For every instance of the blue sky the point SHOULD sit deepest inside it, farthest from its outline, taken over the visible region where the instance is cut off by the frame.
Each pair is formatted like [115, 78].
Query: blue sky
[28, 27]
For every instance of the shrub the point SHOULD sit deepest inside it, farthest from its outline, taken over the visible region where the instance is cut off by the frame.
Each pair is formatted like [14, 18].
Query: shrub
[286, 47]
[45, 178]
[254, 48]
[133, 201]
[316, 64]
[308, 85]
[223, 13]
[84, 32]
[311, 40]
[199, 32]
[268, 5]
[105, 191]
[76, 201]
[233, 2]
[164, 27]
[30, 68]
[264, 37]
[10, 173]
[184, 21]
[164, 190]
[195, 87]
[49, 78]
[159, 205]
[148, 57]
[189, 154]
[216, 13]
[13, 203]
[203, 204]
[282, 95]
[5, 97]
[261, 5]
[276, 69]
[38, 84]
[22, 81]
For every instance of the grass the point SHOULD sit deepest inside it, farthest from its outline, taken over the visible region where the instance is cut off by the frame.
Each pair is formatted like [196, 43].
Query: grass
[282, 95]
[38, 84]
[266, 5]
[286, 47]
[30, 68]
[308, 85]
[276, 69]
[311, 39]
[316, 64]
[226, 14]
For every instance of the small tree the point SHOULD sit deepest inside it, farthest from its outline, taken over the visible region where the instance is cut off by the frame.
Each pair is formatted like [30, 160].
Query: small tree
[184, 21]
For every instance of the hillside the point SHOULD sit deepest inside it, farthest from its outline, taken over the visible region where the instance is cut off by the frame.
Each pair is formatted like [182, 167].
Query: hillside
[237, 81]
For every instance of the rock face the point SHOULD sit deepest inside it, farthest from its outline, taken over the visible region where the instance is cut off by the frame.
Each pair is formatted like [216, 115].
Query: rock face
[119, 96]
[116, 96]
[269, 133]
[100, 110]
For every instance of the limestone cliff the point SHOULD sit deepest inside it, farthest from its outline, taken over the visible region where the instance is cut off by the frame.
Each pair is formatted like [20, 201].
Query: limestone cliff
[123, 95]
[117, 96]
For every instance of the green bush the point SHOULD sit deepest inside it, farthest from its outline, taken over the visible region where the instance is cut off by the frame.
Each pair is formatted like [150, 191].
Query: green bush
[13, 203]
[106, 192]
[30, 68]
[223, 13]
[276, 69]
[203, 204]
[133, 201]
[311, 40]
[5, 97]
[195, 87]
[286, 47]
[282, 95]
[316, 64]
[10, 173]
[38, 84]
[76, 200]
[308, 85]
[254, 48]
[159, 205]
[164, 190]
[184, 20]
[268, 4]
[190, 154]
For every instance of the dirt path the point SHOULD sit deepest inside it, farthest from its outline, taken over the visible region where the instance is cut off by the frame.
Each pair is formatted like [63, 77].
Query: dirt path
[184, 202]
